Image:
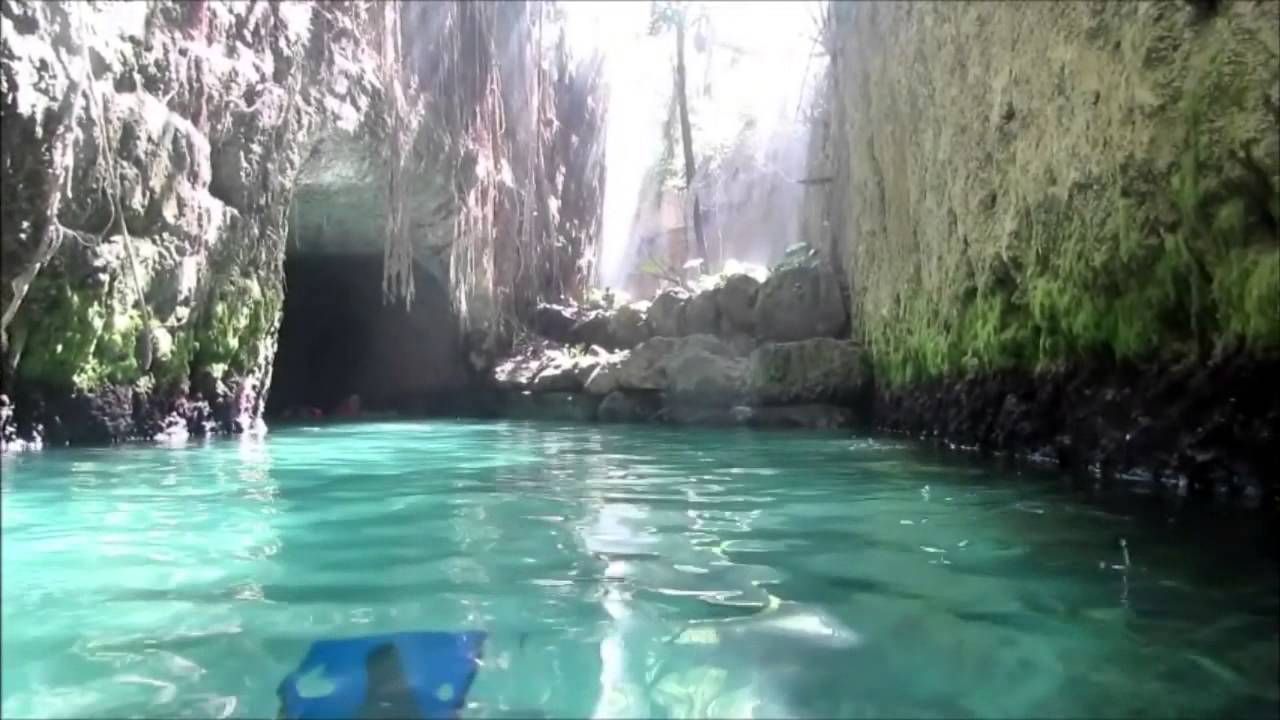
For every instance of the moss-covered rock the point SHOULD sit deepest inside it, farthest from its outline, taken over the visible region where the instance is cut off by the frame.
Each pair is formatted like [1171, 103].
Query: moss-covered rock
[1105, 183]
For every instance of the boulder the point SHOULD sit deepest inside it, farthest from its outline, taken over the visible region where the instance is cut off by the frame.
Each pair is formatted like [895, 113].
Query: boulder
[700, 315]
[699, 376]
[629, 407]
[518, 372]
[666, 313]
[807, 371]
[644, 367]
[554, 322]
[561, 375]
[647, 367]
[594, 329]
[736, 301]
[799, 302]
[628, 326]
[603, 379]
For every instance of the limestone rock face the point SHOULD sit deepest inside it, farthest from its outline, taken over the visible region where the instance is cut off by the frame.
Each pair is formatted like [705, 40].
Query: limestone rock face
[150, 154]
[799, 302]
[807, 371]
[1118, 118]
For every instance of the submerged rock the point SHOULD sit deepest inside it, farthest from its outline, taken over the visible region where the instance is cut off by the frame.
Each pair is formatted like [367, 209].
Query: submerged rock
[812, 415]
[799, 302]
[807, 371]
[563, 406]
[620, 406]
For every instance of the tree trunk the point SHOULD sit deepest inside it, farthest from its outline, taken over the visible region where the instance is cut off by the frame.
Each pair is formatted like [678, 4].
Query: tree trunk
[686, 139]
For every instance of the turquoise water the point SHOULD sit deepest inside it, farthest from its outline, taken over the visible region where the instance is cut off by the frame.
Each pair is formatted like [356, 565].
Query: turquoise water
[621, 572]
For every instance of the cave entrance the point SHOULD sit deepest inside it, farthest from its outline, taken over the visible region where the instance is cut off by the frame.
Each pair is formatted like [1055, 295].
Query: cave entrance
[338, 339]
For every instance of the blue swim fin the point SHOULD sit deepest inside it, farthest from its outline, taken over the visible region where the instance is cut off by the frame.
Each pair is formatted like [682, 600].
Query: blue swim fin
[397, 675]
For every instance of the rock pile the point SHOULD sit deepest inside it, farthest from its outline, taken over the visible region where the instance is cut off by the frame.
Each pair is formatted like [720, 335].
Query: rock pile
[735, 351]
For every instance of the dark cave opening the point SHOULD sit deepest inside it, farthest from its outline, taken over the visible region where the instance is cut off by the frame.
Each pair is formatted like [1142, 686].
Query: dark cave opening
[338, 339]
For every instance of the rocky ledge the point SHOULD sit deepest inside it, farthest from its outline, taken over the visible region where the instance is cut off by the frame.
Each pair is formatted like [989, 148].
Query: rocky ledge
[735, 350]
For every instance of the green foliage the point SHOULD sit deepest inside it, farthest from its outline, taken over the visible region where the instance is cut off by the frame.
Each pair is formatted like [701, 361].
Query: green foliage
[76, 338]
[1100, 274]
[234, 326]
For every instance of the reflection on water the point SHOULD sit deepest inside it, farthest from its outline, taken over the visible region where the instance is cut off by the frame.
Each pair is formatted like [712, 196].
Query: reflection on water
[621, 572]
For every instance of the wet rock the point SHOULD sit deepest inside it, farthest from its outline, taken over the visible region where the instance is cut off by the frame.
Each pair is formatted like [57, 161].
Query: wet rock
[808, 371]
[800, 302]
[619, 406]
[666, 313]
[686, 413]
[628, 326]
[736, 302]
[1199, 428]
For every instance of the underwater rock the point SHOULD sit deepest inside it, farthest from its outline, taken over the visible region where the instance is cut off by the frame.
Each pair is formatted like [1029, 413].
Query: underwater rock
[807, 371]
[561, 406]
[800, 302]
[811, 415]
[620, 406]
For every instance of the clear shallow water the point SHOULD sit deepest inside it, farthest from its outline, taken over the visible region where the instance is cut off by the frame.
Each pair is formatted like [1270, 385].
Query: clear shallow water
[621, 572]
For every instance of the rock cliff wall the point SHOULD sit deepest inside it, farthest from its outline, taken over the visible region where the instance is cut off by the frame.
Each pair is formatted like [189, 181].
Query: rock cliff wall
[1084, 196]
[159, 159]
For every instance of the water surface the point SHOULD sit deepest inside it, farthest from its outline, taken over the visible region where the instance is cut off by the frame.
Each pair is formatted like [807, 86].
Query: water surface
[637, 571]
